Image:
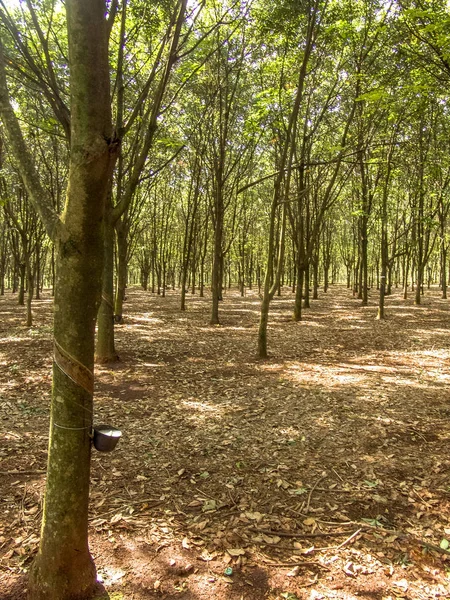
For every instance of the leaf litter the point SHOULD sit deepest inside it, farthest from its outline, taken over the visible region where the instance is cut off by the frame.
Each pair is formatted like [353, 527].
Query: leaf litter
[321, 472]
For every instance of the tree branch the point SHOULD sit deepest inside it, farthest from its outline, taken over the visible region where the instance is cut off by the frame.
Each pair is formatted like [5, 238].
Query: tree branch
[26, 168]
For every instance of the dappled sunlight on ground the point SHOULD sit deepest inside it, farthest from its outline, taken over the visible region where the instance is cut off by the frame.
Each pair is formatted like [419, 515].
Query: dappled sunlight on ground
[147, 319]
[332, 454]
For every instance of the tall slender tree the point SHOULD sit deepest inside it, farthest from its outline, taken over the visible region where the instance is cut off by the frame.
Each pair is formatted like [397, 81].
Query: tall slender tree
[64, 568]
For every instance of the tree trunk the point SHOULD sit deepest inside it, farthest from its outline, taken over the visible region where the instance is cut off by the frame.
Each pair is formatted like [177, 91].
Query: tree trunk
[384, 237]
[384, 260]
[270, 286]
[316, 278]
[186, 257]
[419, 283]
[105, 349]
[202, 278]
[326, 277]
[163, 268]
[144, 279]
[298, 294]
[158, 278]
[360, 279]
[364, 264]
[122, 252]
[389, 279]
[63, 568]
[153, 261]
[193, 281]
[53, 270]
[263, 323]
[30, 290]
[405, 278]
[306, 302]
[216, 283]
[22, 277]
[183, 288]
[38, 272]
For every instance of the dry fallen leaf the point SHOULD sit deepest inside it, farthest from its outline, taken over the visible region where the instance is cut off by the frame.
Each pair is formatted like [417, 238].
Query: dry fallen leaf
[191, 371]
[402, 584]
[116, 518]
[236, 551]
[254, 516]
[301, 550]
[349, 569]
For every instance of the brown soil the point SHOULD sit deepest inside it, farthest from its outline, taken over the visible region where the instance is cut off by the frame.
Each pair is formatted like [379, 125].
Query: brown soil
[320, 473]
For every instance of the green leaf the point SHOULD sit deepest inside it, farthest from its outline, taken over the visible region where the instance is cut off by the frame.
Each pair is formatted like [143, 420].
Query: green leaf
[445, 544]
[298, 491]
[371, 484]
[209, 505]
[372, 96]
[373, 522]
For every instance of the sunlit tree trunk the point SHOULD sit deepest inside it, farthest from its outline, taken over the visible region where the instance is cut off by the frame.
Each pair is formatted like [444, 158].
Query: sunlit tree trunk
[105, 349]
[122, 235]
[63, 568]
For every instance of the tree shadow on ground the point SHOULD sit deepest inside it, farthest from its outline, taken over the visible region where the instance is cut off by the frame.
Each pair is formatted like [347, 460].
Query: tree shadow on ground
[344, 424]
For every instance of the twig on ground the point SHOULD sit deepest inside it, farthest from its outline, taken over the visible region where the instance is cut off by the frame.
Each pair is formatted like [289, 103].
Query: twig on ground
[308, 502]
[427, 504]
[204, 494]
[14, 472]
[296, 535]
[405, 536]
[349, 539]
[337, 475]
[333, 491]
[304, 563]
[118, 508]
[331, 523]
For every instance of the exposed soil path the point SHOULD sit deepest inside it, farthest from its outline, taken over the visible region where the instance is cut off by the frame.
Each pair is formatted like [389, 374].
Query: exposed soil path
[322, 472]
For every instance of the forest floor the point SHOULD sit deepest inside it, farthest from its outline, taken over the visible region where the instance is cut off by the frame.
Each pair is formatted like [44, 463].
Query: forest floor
[321, 473]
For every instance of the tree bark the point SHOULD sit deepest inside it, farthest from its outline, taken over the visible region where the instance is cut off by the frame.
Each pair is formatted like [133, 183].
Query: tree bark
[298, 295]
[63, 568]
[216, 279]
[30, 291]
[122, 269]
[105, 349]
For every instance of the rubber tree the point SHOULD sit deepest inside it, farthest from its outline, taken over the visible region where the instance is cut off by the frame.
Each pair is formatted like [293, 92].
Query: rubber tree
[193, 199]
[385, 188]
[421, 230]
[189, 216]
[23, 219]
[227, 162]
[443, 210]
[63, 567]
[128, 230]
[145, 112]
[4, 254]
[315, 196]
[282, 184]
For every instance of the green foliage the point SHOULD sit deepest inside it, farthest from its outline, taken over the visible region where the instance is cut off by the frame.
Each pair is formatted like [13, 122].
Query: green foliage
[230, 95]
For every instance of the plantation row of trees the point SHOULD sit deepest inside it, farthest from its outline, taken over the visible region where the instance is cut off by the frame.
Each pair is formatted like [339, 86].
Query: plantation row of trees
[156, 252]
[198, 144]
[343, 112]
